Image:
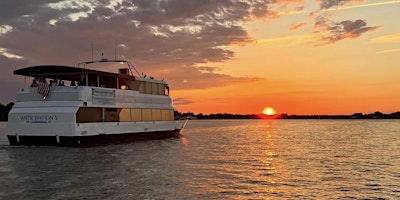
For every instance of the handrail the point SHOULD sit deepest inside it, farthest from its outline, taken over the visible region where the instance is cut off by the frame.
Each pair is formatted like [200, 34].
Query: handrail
[103, 60]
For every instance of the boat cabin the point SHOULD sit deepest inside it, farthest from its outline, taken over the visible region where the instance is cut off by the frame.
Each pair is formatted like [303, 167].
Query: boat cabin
[88, 77]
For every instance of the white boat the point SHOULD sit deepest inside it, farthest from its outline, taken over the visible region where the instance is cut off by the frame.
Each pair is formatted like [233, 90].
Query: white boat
[97, 107]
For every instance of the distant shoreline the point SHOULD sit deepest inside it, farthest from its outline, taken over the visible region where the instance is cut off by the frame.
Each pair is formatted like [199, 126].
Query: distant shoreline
[376, 115]
[4, 109]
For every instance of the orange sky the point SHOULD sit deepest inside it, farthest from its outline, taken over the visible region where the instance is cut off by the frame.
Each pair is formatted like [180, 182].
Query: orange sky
[296, 56]
[301, 77]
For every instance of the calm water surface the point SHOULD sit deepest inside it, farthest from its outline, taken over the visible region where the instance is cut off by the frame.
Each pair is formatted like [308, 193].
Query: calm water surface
[221, 159]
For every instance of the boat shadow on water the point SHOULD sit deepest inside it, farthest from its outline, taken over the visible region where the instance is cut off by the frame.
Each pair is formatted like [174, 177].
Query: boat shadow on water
[92, 141]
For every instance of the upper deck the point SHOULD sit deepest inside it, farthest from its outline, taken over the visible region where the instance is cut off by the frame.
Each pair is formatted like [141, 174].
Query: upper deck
[88, 96]
[76, 76]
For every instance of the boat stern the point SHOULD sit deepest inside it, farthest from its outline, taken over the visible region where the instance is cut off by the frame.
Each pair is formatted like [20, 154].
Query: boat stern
[40, 125]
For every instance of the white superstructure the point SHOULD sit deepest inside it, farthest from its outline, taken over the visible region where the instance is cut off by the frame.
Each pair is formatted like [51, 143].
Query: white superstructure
[96, 107]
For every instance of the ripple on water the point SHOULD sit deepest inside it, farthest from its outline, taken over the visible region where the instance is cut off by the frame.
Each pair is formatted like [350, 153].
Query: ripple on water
[220, 159]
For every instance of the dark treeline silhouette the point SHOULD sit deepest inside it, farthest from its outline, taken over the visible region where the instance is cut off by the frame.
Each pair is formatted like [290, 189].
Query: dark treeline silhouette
[376, 115]
[4, 111]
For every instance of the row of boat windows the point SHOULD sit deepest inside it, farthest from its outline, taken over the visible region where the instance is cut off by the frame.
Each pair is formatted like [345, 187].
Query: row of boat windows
[153, 88]
[87, 115]
[141, 86]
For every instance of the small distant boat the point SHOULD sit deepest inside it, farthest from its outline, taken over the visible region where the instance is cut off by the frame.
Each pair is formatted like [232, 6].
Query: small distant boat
[96, 107]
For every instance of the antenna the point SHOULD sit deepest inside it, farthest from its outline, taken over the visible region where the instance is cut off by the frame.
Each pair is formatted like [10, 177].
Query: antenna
[115, 49]
[92, 50]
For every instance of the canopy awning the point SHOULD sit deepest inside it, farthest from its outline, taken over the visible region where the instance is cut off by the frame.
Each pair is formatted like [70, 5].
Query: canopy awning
[62, 72]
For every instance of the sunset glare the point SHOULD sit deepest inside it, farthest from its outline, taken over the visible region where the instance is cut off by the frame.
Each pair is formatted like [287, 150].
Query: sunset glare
[300, 56]
[269, 111]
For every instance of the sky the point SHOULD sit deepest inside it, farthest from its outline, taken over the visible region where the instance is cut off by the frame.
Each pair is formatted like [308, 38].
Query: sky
[221, 56]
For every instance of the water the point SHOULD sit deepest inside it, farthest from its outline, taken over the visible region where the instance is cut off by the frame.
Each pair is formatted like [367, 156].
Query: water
[221, 159]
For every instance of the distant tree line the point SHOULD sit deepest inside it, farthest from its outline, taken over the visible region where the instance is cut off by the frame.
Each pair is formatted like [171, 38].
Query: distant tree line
[376, 115]
[4, 109]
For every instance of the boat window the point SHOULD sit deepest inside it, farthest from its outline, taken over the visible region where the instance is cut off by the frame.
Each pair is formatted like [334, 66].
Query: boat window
[142, 87]
[136, 115]
[166, 92]
[125, 114]
[146, 115]
[167, 115]
[133, 85]
[154, 88]
[156, 115]
[161, 89]
[148, 87]
[111, 115]
[85, 115]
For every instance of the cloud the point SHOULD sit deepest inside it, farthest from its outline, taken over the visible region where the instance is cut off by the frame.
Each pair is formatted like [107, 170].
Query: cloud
[182, 101]
[329, 32]
[208, 69]
[382, 3]
[325, 30]
[326, 4]
[174, 39]
[388, 51]
[393, 38]
[7, 54]
[4, 29]
[276, 8]
[8, 91]
[12, 11]
[187, 78]
[286, 41]
[297, 26]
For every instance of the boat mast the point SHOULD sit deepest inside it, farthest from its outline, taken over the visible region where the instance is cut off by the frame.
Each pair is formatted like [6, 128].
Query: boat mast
[130, 65]
[92, 51]
[115, 57]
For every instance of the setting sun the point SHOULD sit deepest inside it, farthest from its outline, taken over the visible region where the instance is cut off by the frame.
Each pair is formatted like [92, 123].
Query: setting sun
[269, 111]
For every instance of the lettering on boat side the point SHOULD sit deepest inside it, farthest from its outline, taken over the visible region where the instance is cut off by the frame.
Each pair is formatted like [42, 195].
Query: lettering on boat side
[103, 97]
[40, 119]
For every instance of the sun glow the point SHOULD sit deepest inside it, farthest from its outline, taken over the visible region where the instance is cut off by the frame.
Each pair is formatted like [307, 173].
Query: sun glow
[269, 111]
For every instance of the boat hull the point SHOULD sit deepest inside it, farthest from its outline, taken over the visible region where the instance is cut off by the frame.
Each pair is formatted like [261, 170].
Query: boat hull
[102, 108]
[93, 140]
[64, 132]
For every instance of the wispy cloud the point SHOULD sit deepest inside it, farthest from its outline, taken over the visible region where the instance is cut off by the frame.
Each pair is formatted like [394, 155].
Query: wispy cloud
[297, 26]
[294, 12]
[339, 5]
[364, 5]
[388, 51]
[287, 41]
[327, 31]
[5, 29]
[330, 32]
[182, 101]
[6, 53]
[176, 34]
[387, 39]
[393, 38]
[332, 5]
[326, 4]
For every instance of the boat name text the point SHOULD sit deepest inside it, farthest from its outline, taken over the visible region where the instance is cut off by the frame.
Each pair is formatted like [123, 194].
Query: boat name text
[39, 118]
[103, 97]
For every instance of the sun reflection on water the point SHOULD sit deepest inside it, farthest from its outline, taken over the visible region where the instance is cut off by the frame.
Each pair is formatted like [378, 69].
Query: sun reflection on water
[184, 141]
